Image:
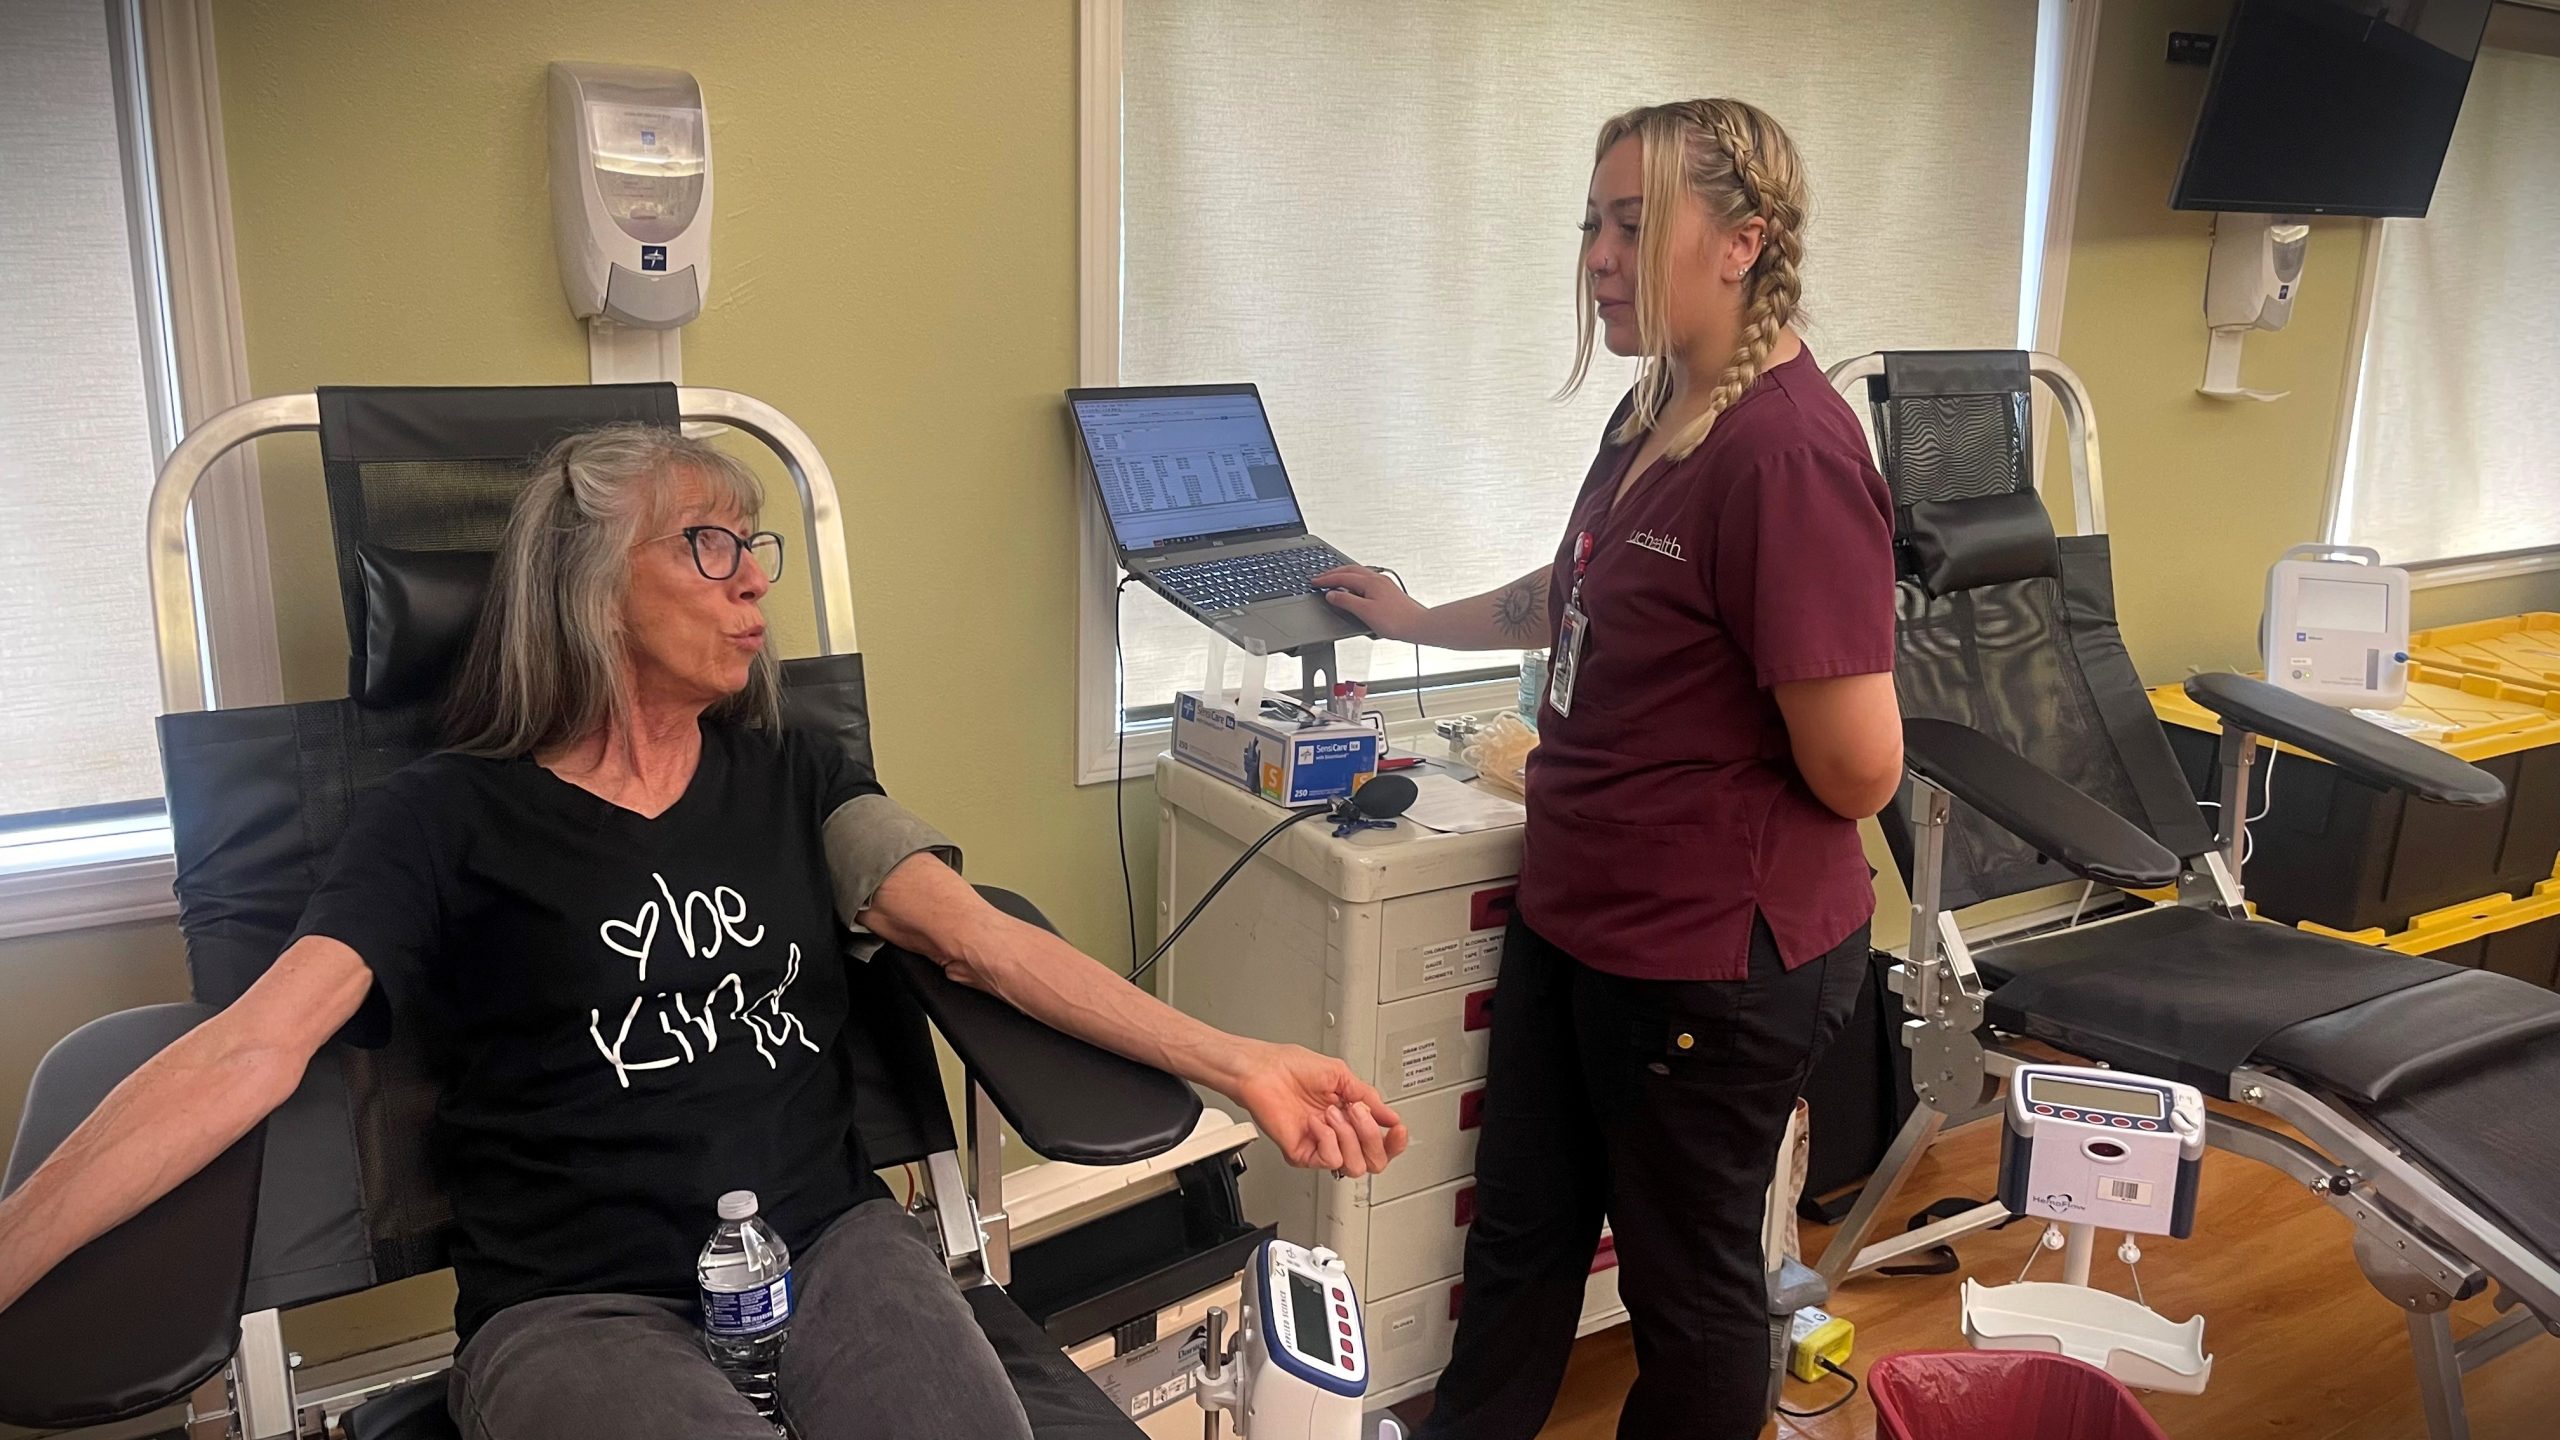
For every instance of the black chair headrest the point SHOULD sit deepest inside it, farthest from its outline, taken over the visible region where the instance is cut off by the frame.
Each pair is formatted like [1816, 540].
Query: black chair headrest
[1952, 545]
[432, 469]
[420, 607]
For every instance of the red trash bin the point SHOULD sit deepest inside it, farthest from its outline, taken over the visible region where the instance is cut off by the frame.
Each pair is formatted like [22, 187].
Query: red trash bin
[2002, 1395]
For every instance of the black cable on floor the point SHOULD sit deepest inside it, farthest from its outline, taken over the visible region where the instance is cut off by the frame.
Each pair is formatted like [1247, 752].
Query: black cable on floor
[1834, 1405]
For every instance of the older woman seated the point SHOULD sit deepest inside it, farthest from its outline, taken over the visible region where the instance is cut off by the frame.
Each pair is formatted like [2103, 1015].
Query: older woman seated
[609, 913]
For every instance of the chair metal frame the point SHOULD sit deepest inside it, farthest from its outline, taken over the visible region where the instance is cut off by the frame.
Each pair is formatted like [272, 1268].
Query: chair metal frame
[256, 1398]
[2421, 1246]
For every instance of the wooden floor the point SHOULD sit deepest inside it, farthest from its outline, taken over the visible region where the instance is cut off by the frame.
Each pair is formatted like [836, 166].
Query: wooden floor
[2303, 1347]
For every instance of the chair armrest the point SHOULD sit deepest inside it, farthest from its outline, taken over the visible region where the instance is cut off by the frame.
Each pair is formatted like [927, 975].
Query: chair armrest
[1067, 1099]
[147, 1312]
[2076, 832]
[2358, 747]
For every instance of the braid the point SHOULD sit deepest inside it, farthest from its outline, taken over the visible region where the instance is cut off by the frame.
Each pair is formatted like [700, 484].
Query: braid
[1775, 288]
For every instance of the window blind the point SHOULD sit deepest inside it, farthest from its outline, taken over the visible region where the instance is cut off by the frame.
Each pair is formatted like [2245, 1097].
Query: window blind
[2455, 446]
[78, 683]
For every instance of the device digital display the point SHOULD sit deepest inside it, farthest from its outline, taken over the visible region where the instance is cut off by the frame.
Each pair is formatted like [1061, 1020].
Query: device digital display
[1186, 464]
[2144, 1104]
[2358, 606]
[1307, 1312]
[2331, 107]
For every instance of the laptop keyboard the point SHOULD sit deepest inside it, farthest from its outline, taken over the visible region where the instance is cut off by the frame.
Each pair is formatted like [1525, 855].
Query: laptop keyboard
[1233, 581]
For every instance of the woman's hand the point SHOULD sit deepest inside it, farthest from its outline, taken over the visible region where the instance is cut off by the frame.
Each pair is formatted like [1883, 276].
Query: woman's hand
[1375, 601]
[1318, 1113]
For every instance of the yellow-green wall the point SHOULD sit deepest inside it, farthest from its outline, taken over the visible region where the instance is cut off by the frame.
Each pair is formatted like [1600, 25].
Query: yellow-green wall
[894, 266]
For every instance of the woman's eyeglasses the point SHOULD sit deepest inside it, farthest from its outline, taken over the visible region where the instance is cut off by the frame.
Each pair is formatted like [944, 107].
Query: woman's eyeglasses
[716, 549]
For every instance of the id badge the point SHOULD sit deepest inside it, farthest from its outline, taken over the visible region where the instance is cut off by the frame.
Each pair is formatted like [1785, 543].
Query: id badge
[1568, 657]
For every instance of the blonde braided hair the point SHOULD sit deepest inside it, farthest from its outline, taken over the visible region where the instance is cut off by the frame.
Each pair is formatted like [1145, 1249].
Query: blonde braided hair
[1737, 160]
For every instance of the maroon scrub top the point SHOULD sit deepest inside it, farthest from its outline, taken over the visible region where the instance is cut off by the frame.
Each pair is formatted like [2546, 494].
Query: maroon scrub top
[1666, 810]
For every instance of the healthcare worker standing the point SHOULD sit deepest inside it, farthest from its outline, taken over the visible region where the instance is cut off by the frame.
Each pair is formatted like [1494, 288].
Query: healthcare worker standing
[1694, 901]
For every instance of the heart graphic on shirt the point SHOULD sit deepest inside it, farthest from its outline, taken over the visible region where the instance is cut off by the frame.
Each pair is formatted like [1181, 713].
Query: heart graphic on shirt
[642, 932]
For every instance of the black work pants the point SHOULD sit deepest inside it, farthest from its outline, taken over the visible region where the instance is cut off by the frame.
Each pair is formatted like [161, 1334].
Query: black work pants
[1657, 1105]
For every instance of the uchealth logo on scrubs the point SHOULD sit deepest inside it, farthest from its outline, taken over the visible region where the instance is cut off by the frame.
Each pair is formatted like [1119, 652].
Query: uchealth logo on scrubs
[1658, 544]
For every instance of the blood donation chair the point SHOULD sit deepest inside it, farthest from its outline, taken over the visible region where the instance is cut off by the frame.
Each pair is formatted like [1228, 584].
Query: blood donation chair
[334, 1192]
[2417, 1093]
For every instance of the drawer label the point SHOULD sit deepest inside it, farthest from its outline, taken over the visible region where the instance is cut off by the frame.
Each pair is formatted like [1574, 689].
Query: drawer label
[1460, 957]
[1441, 960]
[1420, 1062]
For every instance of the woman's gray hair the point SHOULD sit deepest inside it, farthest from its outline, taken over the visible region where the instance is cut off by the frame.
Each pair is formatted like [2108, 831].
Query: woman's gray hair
[547, 666]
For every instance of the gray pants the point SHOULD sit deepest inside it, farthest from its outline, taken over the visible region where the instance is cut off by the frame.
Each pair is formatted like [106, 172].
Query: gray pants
[882, 1346]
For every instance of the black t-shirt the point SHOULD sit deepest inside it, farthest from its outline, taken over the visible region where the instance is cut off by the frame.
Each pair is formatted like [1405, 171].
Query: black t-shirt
[625, 1016]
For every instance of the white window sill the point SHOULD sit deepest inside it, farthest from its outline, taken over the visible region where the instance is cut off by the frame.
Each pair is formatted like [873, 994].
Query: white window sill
[71, 881]
[2470, 570]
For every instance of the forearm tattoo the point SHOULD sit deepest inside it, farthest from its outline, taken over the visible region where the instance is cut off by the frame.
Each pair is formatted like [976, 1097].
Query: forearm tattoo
[1520, 611]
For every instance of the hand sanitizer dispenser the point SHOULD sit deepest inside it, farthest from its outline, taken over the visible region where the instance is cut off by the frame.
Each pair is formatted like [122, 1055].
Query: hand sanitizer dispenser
[630, 195]
[2255, 271]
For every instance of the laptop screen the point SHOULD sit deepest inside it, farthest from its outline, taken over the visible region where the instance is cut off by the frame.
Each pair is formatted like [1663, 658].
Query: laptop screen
[1185, 464]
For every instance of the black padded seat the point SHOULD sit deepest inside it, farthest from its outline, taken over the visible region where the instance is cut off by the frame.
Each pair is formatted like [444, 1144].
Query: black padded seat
[2183, 993]
[2394, 1046]
[2457, 1067]
[2459, 1073]
[1061, 1403]
[2485, 1133]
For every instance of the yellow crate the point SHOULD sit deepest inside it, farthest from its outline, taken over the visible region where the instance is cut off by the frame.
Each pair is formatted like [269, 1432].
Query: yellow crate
[2460, 924]
[2520, 649]
[2470, 717]
[2440, 930]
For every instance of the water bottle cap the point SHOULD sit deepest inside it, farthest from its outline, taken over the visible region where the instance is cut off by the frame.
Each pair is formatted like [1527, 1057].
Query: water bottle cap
[738, 1205]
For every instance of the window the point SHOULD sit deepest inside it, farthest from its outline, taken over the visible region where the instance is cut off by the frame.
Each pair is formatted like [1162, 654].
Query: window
[1370, 211]
[2451, 451]
[115, 241]
[78, 440]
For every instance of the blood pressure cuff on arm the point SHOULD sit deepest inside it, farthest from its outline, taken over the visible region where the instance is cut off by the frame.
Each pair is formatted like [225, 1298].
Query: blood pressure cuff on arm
[867, 837]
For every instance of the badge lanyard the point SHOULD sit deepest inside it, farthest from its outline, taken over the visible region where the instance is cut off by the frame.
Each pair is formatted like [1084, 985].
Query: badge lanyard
[1569, 637]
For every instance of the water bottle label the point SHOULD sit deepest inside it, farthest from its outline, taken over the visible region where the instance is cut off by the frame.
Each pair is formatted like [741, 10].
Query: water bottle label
[741, 1314]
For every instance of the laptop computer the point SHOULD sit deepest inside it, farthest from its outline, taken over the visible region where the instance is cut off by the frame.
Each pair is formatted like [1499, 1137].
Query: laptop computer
[1203, 513]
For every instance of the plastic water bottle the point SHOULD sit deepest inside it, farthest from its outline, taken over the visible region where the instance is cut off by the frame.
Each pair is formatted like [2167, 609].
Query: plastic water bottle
[745, 1274]
[1533, 686]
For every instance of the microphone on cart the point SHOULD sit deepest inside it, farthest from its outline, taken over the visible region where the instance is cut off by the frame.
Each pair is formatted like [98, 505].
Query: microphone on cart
[1382, 799]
